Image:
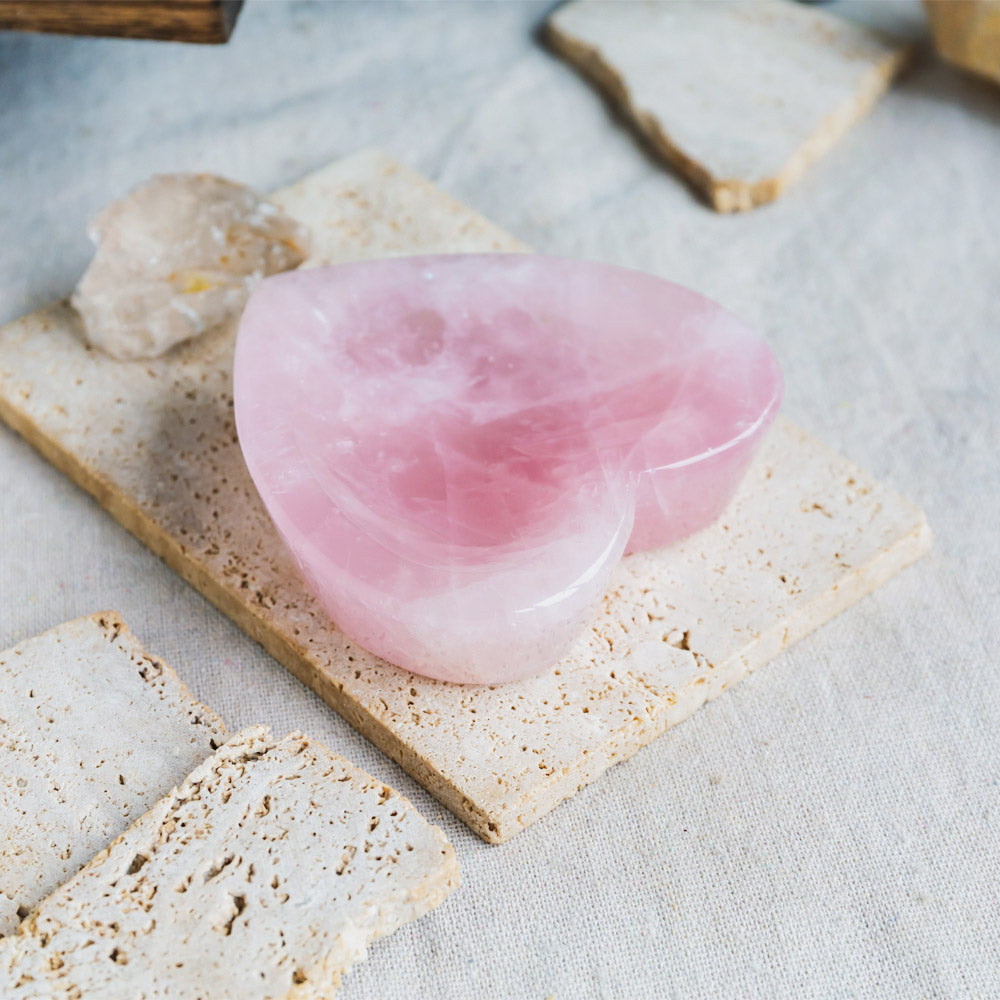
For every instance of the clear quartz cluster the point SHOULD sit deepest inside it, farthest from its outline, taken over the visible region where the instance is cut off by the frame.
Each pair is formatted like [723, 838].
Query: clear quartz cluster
[458, 449]
[177, 256]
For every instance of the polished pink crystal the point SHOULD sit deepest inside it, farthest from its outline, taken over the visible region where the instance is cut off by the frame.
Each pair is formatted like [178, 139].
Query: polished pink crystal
[458, 449]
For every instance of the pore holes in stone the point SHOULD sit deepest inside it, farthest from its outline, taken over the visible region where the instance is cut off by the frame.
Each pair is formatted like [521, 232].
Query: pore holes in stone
[137, 862]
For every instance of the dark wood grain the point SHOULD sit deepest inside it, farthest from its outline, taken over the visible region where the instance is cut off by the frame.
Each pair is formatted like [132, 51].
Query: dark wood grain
[205, 21]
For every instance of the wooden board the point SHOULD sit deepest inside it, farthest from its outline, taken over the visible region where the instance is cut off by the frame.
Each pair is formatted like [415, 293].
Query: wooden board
[206, 21]
[807, 535]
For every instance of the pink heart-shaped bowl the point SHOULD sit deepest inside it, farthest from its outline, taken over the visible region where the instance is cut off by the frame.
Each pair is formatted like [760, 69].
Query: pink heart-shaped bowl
[458, 449]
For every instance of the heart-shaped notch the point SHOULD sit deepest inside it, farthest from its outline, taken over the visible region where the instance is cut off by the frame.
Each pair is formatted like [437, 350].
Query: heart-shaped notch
[458, 449]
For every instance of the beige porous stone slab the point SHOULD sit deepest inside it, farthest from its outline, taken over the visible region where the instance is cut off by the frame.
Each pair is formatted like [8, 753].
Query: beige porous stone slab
[266, 874]
[93, 730]
[807, 535]
[739, 97]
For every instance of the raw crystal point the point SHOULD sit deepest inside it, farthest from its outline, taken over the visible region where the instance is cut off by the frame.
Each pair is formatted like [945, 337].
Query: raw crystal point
[458, 449]
[175, 257]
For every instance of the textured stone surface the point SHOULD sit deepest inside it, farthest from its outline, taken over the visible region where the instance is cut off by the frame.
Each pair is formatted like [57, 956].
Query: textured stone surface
[807, 534]
[265, 874]
[93, 730]
[740, 98]
[176, 257]
[458, 448]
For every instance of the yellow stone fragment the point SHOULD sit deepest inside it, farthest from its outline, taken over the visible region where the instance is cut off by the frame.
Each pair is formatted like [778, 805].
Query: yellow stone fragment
[967, 33]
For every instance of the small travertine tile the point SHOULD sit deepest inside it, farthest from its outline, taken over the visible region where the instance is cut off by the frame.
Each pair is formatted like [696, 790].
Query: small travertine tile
[70, 779]
[739, 97]
[807, 535]
[265, 874]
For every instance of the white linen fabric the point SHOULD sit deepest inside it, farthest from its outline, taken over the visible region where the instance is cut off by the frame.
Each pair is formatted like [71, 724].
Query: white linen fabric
[831, 826]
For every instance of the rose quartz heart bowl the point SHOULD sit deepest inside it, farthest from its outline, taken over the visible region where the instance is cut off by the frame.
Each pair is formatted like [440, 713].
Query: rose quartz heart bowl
[458, 449]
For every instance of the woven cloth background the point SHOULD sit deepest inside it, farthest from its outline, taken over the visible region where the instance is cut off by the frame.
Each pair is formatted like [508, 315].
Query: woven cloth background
[831, 826]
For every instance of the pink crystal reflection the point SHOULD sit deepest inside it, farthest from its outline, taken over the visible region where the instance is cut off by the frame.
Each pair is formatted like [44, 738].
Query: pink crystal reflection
[458, 449]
